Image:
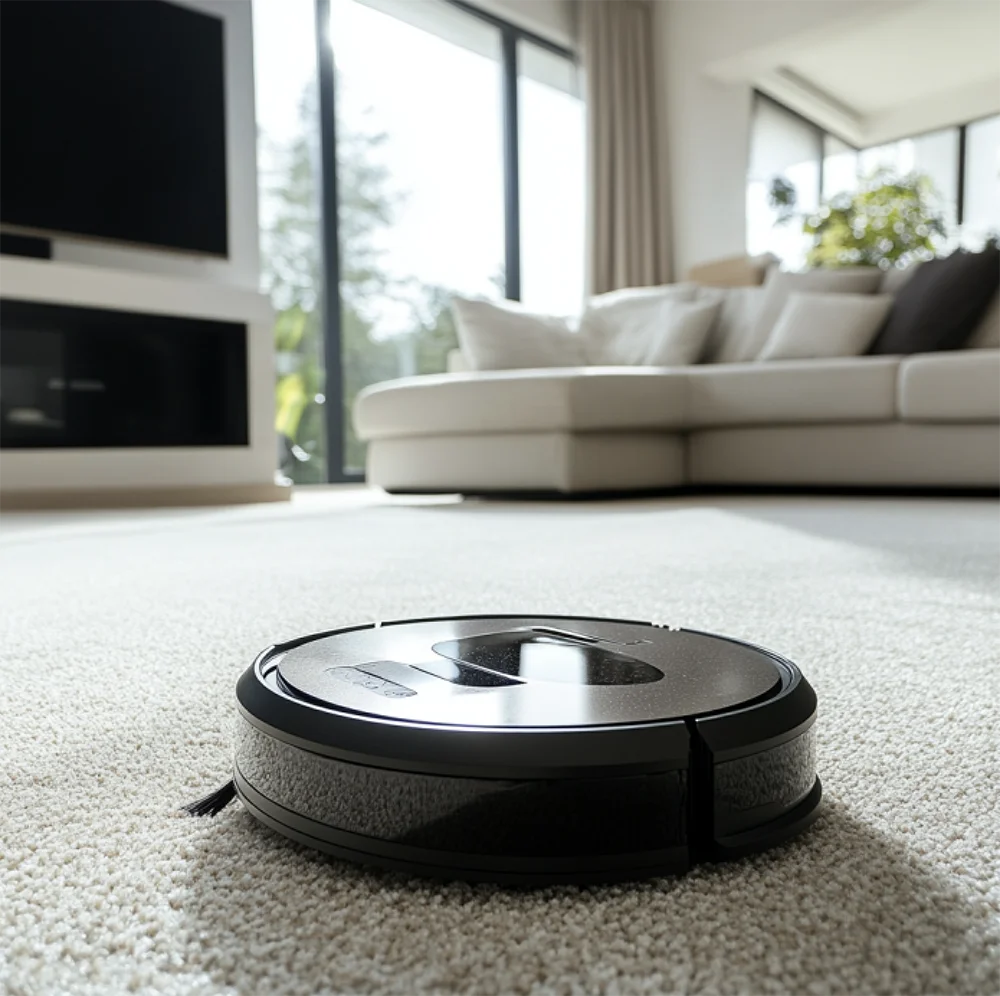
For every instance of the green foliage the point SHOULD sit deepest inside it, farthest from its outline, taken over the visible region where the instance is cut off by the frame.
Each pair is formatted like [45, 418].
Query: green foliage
[782, 196]
[290, 328]
[889, 219]
[291, 266]
[292, 397]
[291, 276]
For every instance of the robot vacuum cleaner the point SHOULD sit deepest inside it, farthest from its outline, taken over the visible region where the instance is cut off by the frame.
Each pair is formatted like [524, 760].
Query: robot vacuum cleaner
[527, 749]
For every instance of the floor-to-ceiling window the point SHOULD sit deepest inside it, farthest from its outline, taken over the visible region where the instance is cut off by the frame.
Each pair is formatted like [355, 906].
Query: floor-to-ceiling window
[934, 155]
[794, 166]
[783, 181]
[451, 143]
[981, 179]
[551, 154]
[420, 184]
[840, 167]
[288, 169]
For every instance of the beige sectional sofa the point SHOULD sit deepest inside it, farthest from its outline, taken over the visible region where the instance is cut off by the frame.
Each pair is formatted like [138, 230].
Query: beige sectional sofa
[727, 411]
[927, 420]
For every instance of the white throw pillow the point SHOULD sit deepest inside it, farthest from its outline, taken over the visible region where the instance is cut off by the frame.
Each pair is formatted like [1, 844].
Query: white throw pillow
[681, 339]
[502, 335]
[987, 332]
[734, 322]
[779, 285]
[820, 326]
[619, 328]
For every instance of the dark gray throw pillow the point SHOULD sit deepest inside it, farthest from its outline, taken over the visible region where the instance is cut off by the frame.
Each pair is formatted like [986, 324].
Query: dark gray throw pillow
[940, 306]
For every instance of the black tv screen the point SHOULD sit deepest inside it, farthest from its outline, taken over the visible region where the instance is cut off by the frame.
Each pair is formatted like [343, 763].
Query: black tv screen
[112, 122]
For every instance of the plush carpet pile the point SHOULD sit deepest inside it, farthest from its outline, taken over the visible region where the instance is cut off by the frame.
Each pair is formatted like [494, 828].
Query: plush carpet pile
[123, 634]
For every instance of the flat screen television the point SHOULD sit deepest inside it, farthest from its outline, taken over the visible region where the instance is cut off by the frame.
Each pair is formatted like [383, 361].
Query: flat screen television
[113, 123]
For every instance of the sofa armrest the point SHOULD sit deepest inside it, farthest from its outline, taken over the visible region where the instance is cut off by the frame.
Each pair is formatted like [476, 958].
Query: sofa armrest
[961, 385]
[735, 271]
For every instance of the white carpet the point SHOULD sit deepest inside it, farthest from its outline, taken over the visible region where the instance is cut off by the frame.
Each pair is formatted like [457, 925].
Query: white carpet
[123, 635]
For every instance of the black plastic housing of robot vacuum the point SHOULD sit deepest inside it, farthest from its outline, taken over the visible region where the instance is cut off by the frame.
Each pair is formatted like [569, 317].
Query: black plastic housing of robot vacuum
[527, 749]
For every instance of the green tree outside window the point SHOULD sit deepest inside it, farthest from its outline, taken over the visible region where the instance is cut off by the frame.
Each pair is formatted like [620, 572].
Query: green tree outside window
[291, 268]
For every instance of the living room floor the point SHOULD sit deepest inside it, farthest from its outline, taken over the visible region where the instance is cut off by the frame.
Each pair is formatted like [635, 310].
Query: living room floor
[124, 633]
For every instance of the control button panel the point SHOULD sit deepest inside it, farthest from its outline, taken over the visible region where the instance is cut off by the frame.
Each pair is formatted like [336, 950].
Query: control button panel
[371, 682]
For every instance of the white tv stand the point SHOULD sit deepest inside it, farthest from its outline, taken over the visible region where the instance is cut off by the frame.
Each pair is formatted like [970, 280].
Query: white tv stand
[52, 478]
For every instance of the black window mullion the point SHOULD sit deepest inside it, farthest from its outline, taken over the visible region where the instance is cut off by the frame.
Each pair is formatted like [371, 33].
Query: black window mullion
[960, 194]
[333, 409]
[511, 199]
[821, 160]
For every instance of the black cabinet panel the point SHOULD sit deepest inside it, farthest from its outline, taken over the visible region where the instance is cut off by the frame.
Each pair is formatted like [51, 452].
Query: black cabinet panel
[89, 377]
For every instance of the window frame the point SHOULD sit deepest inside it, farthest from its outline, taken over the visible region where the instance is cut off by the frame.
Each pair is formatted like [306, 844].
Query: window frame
[510, 34]
[759, 95]
[818, 137]
[819, 132]
[961, 146]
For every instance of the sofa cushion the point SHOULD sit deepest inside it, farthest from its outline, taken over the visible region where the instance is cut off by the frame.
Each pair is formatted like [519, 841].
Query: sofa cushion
[582, 399]
[779, 285]
[681, 339]
[941, 306]
[618, 328]
[854, 389]
[734, 321]
[813, 326]
[503, 335]
[961, 386]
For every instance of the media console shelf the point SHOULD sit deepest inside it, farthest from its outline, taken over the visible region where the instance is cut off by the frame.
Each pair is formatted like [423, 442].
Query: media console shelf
[124, 388]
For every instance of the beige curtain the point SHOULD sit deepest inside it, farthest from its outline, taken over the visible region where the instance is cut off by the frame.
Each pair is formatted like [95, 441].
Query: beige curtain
[626, 241]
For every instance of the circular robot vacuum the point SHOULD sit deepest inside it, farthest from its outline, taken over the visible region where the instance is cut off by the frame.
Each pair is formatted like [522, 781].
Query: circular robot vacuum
[527, 749]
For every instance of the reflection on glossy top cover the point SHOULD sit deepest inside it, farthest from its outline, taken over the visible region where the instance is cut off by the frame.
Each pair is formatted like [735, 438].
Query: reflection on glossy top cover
[527, 672]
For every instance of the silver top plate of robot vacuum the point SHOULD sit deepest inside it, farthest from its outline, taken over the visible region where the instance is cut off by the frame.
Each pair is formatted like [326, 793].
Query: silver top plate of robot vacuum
[507, 672]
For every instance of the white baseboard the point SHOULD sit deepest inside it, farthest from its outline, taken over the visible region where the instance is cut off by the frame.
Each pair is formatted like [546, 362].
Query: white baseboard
[223, 494]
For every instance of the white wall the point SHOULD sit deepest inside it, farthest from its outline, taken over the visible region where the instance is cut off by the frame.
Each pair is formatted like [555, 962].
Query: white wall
[704, 138]
[242, 267]
[705, 121]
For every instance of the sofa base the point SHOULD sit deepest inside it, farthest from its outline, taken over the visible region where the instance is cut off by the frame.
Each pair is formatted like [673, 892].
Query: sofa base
[990, 493]
[892, 454]
[529, 462]
[858, 457]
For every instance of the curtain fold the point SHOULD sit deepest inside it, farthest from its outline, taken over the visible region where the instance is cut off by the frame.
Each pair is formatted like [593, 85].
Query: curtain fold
[624, 217]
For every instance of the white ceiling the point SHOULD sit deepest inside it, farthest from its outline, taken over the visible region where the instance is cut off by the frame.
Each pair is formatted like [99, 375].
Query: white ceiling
[906, 55]
[875, 71]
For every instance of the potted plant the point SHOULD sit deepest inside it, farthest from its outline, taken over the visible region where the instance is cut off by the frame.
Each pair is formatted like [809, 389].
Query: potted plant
[889, 221]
